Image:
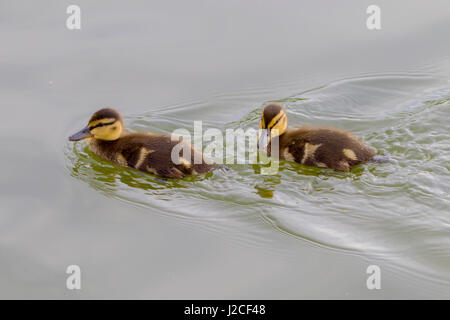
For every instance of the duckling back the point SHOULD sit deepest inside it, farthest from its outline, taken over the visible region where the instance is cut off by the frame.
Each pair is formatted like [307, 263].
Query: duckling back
[150, 153]
[324, 147]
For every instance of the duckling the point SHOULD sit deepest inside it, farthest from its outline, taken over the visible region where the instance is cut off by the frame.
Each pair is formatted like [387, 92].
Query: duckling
[144, 151]
[313, 146]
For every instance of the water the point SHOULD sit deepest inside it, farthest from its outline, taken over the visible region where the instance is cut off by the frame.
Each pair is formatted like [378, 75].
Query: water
[302, 233]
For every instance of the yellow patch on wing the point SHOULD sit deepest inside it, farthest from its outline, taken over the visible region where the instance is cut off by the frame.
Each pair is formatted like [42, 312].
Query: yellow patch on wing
[349, 153]
[104, 120]
[185, 163]
[343, 166]
[143, 153]
[150, 170]
[320, 164]
[287, 155]
[120, 159]
[309, 150]
[176, 173]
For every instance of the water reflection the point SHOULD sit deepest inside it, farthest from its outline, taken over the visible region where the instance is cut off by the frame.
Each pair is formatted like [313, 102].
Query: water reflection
[372, 210]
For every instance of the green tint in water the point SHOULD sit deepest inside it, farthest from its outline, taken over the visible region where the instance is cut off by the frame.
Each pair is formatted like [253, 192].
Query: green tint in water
[397, 211]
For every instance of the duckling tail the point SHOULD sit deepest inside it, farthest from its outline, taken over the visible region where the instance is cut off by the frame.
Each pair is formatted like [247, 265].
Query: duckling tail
[378, 158]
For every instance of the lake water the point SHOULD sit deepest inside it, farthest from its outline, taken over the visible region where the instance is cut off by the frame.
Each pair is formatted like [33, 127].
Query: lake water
[302, 233]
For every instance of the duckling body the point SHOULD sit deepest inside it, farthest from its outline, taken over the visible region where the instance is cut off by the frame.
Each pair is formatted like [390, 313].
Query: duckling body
[323, 147]
[144, 151]
[313, 146]
[150, 153]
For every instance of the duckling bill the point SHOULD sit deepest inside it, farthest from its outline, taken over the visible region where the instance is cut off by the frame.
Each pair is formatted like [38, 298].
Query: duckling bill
[313, 146]
[144, 151]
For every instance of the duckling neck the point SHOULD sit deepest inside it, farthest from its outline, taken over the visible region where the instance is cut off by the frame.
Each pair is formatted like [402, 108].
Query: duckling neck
[103, 148]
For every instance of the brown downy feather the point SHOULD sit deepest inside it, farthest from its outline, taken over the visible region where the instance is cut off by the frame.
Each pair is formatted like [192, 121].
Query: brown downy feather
[149, 153]
[323, 147]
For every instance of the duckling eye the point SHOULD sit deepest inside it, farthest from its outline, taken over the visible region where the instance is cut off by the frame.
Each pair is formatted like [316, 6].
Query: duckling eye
[101, 125]
[278, 120]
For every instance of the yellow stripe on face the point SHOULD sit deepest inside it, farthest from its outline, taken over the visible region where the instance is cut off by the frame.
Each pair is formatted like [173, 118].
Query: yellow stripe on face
[275, 119]
[107, 131]
[104, 120]
[282, 124]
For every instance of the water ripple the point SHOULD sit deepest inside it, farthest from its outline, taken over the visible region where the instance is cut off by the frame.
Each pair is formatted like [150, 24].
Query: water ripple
[397, 211]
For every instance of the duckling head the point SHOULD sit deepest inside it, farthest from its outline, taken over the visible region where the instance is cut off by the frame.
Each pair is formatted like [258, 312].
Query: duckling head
[106, 124]
[273, 123]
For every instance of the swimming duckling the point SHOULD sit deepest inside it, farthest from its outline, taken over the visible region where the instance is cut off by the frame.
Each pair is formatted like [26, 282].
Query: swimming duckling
[314, 146]
[147, 152]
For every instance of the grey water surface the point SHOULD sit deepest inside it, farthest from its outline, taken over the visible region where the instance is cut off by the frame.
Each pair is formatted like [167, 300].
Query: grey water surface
[301, 233]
